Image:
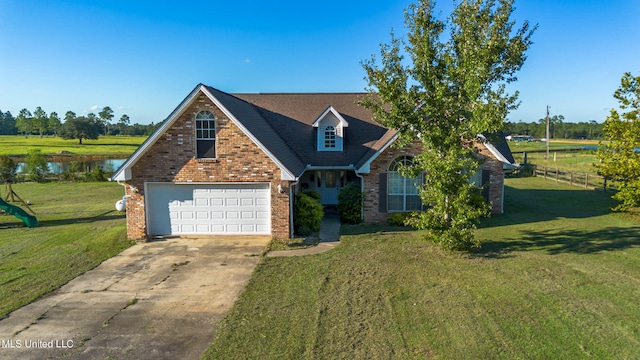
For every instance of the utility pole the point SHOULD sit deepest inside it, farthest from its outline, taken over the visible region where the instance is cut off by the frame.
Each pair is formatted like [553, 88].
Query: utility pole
[546, 157]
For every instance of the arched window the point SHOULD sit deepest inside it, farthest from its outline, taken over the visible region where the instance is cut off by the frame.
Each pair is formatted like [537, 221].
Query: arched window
[330, 137]
[205, 134]
[402, 192]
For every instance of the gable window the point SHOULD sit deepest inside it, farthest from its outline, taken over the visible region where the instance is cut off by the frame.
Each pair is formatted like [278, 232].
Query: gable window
[402, 192]
[330, 128]
[329, 137]
[205, 135]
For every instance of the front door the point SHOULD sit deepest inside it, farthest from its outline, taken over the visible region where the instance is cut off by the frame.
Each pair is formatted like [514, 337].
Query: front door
[330, 186]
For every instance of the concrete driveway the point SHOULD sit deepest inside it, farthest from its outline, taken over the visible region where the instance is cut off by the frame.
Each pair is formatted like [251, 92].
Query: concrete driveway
[157, 300]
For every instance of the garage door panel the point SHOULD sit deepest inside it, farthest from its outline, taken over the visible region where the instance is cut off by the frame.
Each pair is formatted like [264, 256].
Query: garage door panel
[202, 202]
[208, 209]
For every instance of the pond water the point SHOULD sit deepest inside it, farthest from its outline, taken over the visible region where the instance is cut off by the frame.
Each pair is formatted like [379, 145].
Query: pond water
[80, 165]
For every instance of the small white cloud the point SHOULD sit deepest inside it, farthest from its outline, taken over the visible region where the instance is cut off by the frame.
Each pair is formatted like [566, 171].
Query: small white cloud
[247, 60]
[95, 108]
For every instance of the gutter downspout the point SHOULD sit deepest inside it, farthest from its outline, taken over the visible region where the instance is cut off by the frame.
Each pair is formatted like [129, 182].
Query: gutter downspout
[363, 194]
[291, 204]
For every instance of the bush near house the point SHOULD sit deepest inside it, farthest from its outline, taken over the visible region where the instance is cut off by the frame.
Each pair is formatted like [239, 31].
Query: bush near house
[350, 204]
[308, 212]
[399, 218]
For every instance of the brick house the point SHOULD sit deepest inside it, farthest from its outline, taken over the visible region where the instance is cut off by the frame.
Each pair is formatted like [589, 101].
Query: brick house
[231, 164]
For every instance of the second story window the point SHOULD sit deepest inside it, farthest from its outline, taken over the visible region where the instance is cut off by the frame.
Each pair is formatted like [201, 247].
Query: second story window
[205, 135]
[329, 137]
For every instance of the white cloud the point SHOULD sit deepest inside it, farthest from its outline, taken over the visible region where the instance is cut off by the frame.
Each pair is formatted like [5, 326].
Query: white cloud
[95, 108]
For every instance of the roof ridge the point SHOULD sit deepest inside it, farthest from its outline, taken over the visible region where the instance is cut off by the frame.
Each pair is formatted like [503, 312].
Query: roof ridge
[301, 93]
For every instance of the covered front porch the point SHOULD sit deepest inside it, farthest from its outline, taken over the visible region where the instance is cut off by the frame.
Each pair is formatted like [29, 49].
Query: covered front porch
[328, 182]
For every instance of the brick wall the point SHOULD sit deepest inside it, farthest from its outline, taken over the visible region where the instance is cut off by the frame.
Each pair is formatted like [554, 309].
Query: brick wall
[381, 164]
[172, 159]
[496, 180]
[372, 180]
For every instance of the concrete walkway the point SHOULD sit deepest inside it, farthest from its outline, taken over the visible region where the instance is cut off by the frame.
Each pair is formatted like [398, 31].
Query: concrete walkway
[156, 300]
[329, 238]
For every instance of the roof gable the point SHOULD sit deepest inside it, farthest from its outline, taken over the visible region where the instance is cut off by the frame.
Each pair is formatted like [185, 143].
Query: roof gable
[243, 115]
[330, 133]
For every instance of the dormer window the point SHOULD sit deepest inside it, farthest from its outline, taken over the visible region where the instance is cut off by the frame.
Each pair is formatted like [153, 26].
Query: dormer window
[205, 135]
[330, 133]
[330, 137]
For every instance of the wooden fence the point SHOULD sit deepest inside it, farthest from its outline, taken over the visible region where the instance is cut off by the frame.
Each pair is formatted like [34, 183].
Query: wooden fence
[586, 180]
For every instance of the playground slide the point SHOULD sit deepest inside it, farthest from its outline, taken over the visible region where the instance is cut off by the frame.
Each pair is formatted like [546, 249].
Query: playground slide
[28, 220]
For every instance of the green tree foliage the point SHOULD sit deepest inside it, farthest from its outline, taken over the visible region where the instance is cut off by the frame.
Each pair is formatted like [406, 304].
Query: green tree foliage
[124, 123]
[24, 122]
[7, 124]
[8, 169]
[54, 123]
[453, 90]
[350, 200]
[40, 120]
[567, 130]
[80, 128]
[106, 115]
[36, 165]
[619, 158]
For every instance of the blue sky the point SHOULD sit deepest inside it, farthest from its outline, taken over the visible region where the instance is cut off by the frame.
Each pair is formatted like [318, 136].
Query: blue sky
[142, 58]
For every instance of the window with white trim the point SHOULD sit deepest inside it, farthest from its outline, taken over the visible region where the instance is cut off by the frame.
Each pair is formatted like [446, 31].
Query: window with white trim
[205, 135]
[402, 192]
[330, 137]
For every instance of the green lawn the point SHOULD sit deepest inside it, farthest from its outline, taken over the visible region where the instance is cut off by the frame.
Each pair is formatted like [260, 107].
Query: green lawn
[578, 161]
[559, 144]
[558, 277]
[109, 146]
[559, 155]
[79, 228]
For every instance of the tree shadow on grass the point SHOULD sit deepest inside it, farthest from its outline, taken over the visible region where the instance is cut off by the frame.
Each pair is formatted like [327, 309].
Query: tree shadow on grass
[375, 228]
[523, 206]
[108, 215]
[558, 241]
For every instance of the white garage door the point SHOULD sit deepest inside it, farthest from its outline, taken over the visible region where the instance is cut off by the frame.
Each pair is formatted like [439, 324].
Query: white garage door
[177, 209]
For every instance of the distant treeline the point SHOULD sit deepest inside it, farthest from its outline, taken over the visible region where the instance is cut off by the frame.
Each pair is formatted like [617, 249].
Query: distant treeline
[558, 129]
[27, 123]
[39, 123]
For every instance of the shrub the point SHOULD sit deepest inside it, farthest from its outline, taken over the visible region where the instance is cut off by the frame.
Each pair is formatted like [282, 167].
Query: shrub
[399, 218]
[8, 169]
[308, 213]
[96, 174]
[314, 194]
[36, 165]
[350, 204]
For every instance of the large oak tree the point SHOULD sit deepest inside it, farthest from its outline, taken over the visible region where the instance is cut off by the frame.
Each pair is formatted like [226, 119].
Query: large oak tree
[451, 88]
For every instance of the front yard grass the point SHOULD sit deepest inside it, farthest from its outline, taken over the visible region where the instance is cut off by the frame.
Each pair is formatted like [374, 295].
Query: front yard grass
[558, 276]
[79, 228]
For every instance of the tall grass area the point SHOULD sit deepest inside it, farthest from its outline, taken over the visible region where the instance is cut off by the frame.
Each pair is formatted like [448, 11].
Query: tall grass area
[110, 146]
[79, 228]
[557, 277]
